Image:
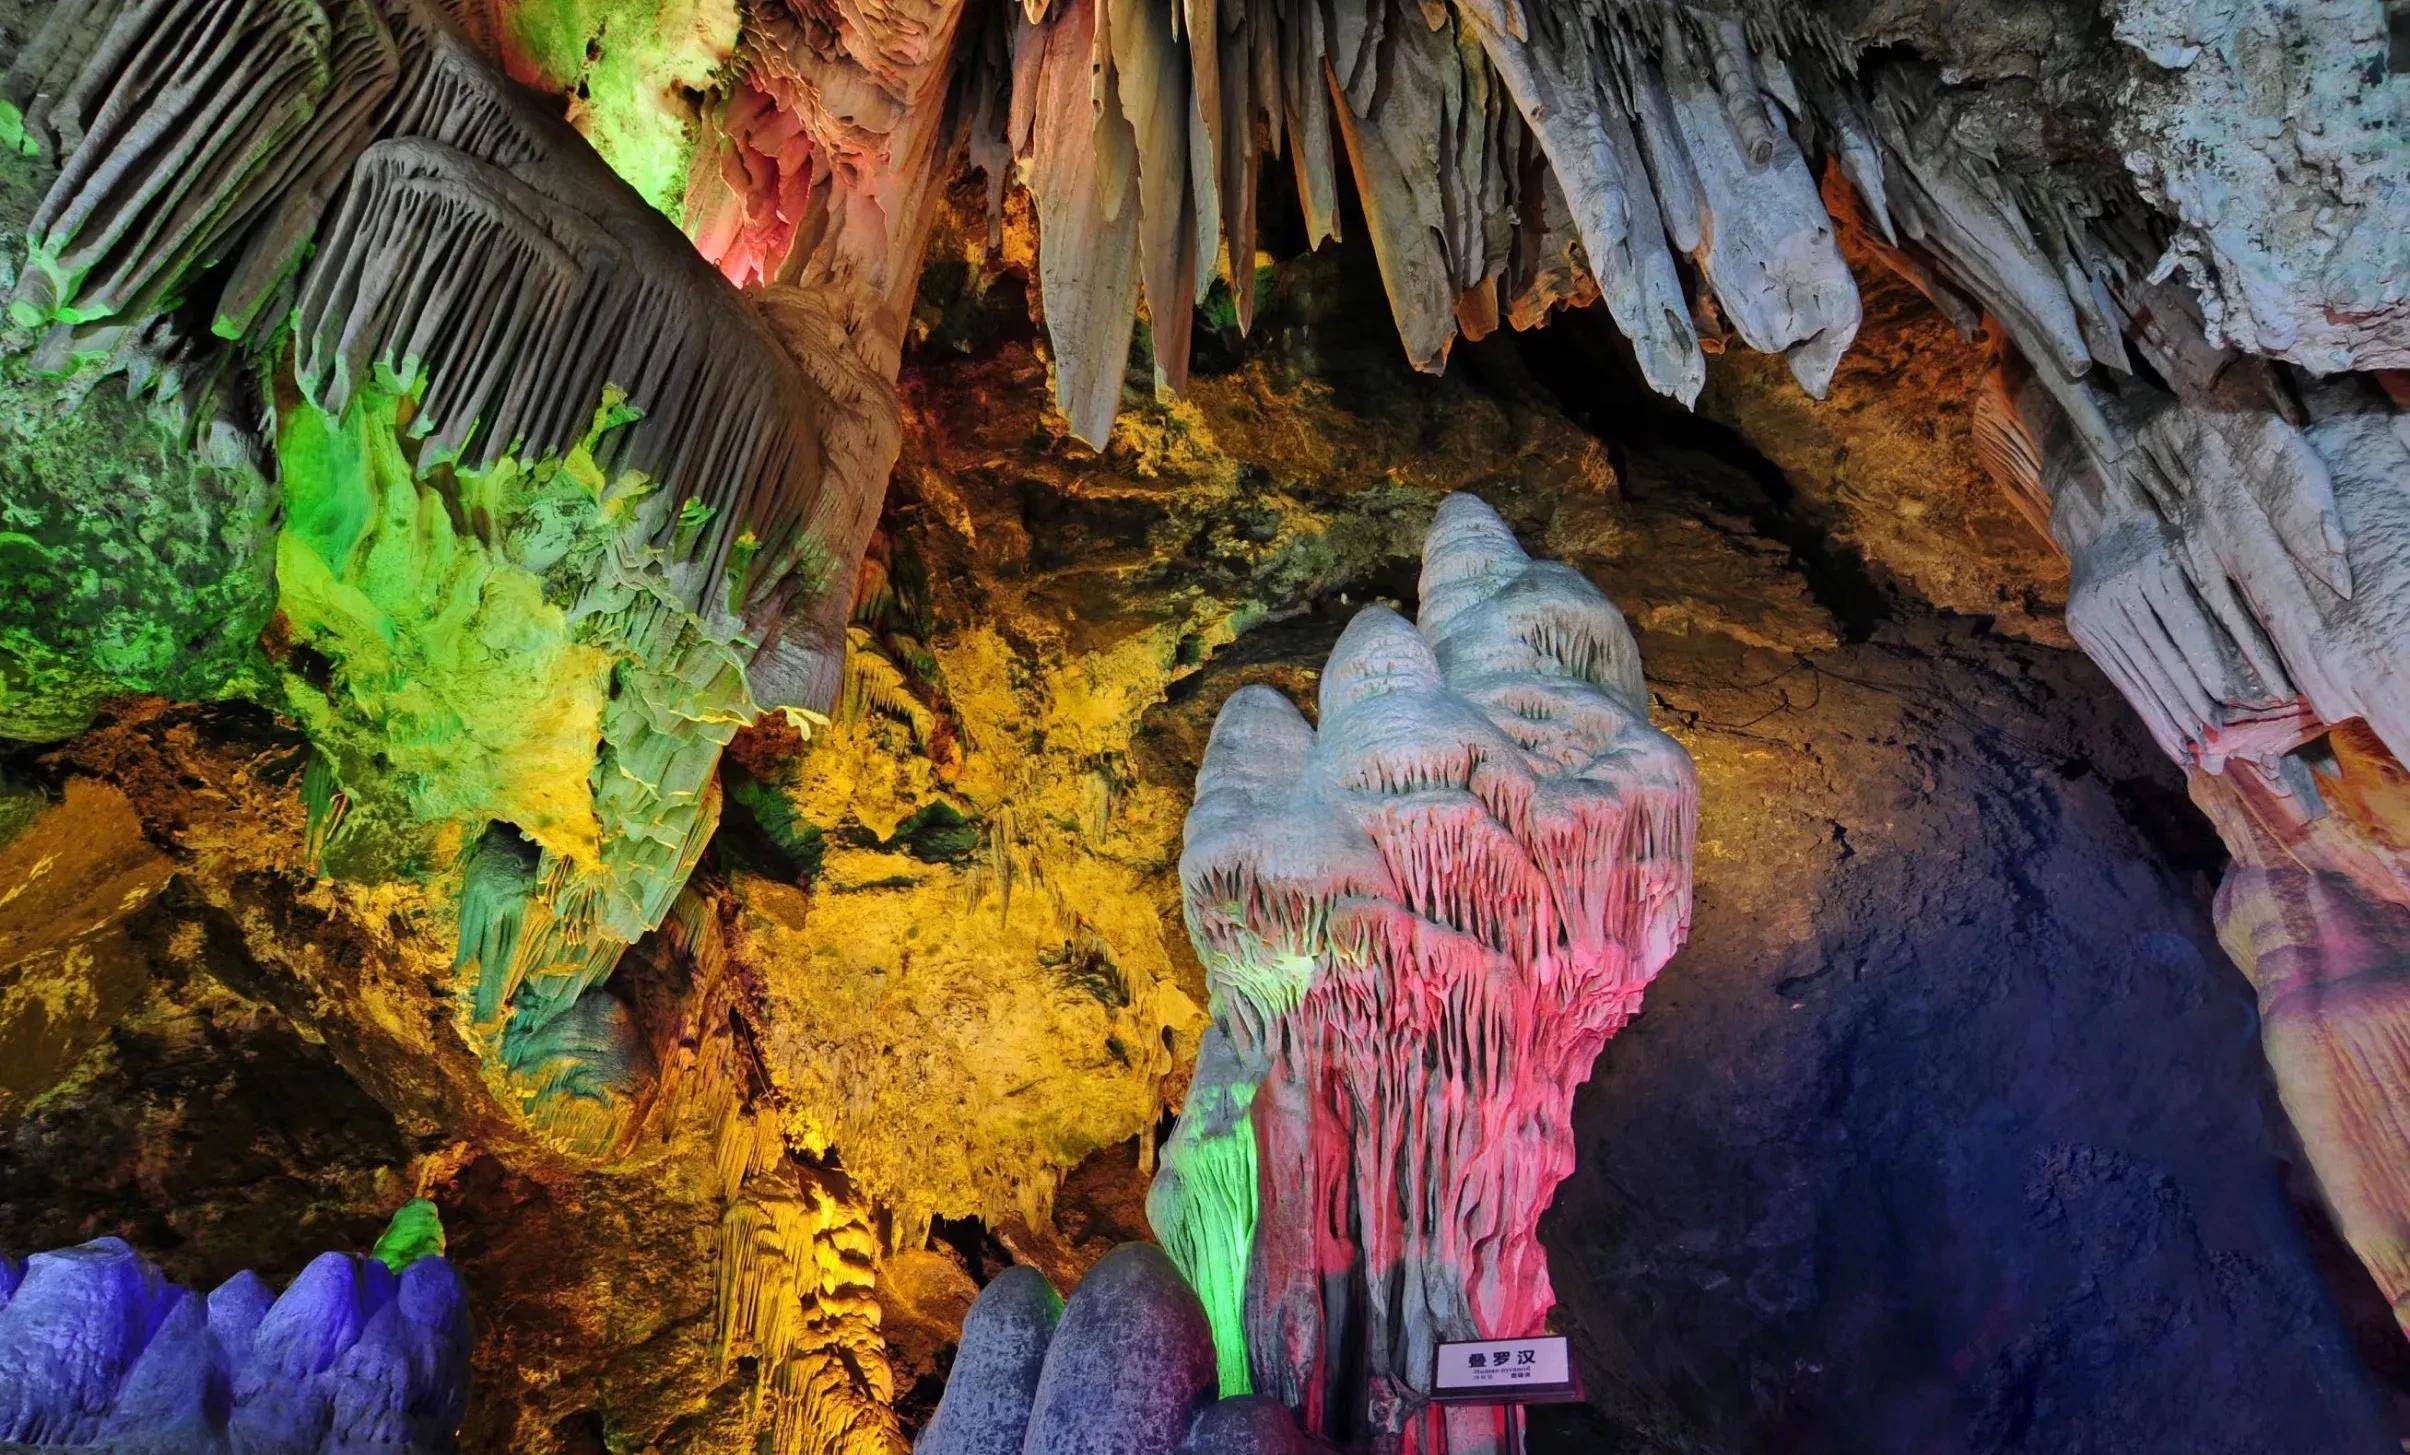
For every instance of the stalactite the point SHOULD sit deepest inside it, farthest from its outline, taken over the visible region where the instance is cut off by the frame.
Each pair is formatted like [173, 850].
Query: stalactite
[2316, 910]
[1420, 924]
[476, 242]
[1079, 170]
[797, 1269]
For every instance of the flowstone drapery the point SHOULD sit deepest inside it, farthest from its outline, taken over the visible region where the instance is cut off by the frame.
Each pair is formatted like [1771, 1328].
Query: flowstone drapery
[1420, 924]
[548, 482]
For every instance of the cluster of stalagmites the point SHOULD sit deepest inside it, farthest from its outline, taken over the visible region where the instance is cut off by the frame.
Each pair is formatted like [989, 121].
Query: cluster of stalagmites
[358, 1356]
[1124, 1367]
[1420, 923]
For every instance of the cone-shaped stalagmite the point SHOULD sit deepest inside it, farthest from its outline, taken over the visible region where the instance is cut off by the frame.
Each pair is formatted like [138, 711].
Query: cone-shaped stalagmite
[994, 1381]
[1124, 1368]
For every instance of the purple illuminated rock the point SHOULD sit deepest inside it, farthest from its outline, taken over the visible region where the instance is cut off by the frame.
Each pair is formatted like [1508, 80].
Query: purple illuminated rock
[1249, 1424]
[284, 1392]
[235, 1310]
[70, 1335]
[176, 1397]
[388, 1390]
[1130, 1365]
[995, 1379]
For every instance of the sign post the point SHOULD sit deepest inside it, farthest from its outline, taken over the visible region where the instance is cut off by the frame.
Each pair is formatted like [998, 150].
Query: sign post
[1537, 1370]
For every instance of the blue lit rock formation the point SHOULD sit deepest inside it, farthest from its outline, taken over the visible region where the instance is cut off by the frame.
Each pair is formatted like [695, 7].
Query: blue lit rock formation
[359, 1354]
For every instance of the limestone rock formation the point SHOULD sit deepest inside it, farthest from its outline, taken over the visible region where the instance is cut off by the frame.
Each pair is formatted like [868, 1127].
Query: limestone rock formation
[1421, 920]
[2314, 910]
[1931, 862]
[796, 1273]
[66, 972]
[2279, 230]
[348, 380]
[994, 1382]
[548, 481]
[1124, 1367]
[1247, 1424]
[99, 1352]
[1129, 1365]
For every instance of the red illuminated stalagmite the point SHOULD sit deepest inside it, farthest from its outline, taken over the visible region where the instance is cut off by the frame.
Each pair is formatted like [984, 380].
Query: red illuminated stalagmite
[1421, 924]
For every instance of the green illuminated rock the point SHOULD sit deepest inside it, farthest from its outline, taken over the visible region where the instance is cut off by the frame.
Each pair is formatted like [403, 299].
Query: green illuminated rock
[132, 563]
[1203, 1202]
[633, 66]
[443, 680]
[501, 656]
[416, 1232]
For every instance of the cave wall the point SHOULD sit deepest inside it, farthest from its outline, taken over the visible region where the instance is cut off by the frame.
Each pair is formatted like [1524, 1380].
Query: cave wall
[1934, 857]
[1873, 1174]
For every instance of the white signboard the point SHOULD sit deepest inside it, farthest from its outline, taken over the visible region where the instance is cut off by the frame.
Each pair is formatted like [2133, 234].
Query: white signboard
[1504, 1371]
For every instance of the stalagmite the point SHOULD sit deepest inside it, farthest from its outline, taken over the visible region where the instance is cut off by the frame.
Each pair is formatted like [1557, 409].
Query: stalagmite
[1125, 1367]
[1129, 1365]
[1247, 1425]
[1203, 1202]
[1420, 924]
[98, 1351]
[994, 1380]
